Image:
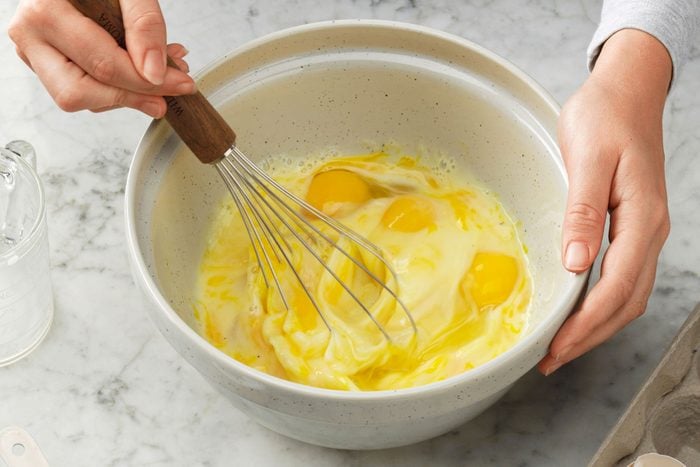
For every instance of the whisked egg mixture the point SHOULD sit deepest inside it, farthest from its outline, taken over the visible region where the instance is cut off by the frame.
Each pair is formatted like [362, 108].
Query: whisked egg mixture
[461, 270]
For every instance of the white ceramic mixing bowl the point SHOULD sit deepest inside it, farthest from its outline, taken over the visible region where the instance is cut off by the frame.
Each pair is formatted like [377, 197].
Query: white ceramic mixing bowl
[353, 85]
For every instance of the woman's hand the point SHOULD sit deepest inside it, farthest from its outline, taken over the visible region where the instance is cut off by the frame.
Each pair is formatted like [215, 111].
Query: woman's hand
[610, 135]
[81, 65]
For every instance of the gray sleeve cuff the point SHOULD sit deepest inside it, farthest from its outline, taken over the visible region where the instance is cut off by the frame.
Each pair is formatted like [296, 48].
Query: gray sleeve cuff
[673, 22]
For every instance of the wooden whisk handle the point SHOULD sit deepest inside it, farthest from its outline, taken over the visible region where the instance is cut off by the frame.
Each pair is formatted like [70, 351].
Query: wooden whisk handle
[192, 117]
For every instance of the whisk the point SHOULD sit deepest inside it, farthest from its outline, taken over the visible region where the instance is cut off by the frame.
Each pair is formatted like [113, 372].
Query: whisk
[274, 218]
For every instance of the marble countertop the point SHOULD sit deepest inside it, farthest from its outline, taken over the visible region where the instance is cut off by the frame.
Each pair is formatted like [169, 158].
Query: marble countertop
[106, 389]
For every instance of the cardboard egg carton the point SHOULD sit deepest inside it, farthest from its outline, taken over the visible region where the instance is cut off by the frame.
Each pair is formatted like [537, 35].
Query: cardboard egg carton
[664, 417]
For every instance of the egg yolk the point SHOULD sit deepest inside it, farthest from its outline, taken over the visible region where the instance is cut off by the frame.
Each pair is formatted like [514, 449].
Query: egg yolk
[493, 277]
[328, 189]
[408, 214]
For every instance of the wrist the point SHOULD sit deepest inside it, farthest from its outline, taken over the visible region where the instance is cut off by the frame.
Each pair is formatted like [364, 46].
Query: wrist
[636, 65]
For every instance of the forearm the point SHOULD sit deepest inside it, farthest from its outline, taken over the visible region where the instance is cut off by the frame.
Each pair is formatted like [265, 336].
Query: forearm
[636, 65]
[674, 23]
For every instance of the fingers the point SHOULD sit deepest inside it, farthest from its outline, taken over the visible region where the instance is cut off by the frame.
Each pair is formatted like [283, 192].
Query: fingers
[622, 265]
[560, 354]
[177, 52]
[633, 309]
[96, 74]
[587, 202]
[77, 90]
[145, 38]
[104, 60]
[639, 227]
[23, 57]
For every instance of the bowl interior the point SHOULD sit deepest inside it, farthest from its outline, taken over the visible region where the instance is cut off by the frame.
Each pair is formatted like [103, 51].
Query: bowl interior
[352, 87]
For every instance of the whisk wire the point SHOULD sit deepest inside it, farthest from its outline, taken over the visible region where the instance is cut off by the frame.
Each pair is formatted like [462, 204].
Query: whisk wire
[260, 212]
[273, 239]
[337, 226]
[252, 170]
[315, 254]
[256, 241]
[260, 176]
[254, 191]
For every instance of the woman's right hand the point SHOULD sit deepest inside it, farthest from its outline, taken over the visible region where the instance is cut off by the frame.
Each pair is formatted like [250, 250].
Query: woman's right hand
[82, 66]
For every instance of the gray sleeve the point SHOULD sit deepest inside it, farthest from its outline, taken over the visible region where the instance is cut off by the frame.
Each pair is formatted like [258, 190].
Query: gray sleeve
[675, 23]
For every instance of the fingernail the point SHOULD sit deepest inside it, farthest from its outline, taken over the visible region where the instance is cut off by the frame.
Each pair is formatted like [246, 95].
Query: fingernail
[552, 368]
[576, 258]
[154, 67]
[564, 353]
[181, 52]
[153, 109]
[182, 65]
[187, 87]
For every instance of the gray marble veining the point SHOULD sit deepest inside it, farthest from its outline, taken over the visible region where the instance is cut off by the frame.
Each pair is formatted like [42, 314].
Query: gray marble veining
[105, 389]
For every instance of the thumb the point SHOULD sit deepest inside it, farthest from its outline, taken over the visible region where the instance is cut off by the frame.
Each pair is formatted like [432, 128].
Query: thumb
[145, 38]
[590, 180]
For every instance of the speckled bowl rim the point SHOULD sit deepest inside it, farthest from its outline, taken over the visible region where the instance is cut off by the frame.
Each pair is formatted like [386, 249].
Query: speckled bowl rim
[562, 306]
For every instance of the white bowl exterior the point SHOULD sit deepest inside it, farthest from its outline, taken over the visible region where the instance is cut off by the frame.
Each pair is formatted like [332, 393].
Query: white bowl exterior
[336, 418]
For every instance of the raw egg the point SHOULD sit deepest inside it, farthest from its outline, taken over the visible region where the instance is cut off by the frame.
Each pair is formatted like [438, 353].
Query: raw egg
[461, 272]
